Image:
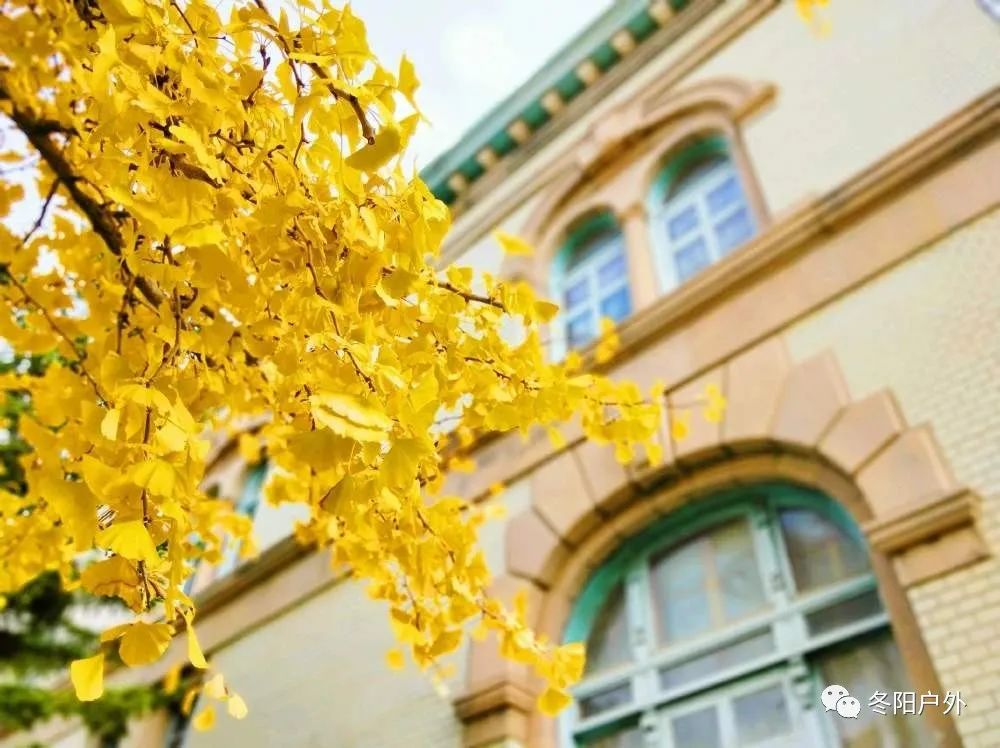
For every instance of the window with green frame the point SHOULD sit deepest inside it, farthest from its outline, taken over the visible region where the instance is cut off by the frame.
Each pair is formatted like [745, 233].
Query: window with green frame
[590, 278]
[720, 624]
[698, 210]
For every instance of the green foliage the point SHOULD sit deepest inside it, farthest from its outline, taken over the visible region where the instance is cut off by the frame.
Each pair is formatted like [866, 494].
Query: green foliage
[22, 706]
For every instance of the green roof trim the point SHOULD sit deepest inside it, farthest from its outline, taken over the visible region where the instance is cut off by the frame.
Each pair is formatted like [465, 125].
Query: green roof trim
[605, 56]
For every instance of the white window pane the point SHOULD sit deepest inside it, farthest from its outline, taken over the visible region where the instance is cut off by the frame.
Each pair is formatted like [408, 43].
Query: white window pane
[863, 669]
[608, 644]
[697, 729]
[734, 230]
[819, 551]
[581, 329]
[844, 613]
[611, 271]
[609, 698]
[628, 737]
[707, 583]
[736, 567]
[691, 258]
[683, 222]
[761, 715]
[577, 293]
[618, 305]
[680, 592]
[725, 195]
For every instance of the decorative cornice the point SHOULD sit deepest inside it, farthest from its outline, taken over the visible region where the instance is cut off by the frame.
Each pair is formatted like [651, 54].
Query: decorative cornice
[507, 193]
[929, 521]
[612, 37]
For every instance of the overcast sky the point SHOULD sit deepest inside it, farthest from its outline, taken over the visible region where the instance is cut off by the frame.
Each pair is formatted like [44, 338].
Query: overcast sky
[469, 54]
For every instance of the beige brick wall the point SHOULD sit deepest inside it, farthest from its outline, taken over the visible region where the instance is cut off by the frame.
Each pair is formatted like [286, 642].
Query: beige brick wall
[930, 330]
[316, 676]
[887, 71]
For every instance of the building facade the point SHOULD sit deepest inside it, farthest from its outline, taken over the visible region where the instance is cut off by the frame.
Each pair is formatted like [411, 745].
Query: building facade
[809, 222]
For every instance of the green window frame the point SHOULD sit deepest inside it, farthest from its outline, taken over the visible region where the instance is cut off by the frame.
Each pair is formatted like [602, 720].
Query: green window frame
[744, 654]
[699, 211]
[590, 279]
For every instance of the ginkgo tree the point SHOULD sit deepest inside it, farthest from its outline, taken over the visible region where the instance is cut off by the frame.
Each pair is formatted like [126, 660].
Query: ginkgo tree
[227, 234]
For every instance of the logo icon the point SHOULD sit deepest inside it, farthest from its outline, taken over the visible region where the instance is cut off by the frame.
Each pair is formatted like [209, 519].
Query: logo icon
[837, 698]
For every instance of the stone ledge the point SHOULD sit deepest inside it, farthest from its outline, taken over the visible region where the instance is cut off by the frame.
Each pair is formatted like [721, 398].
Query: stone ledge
[908, 528]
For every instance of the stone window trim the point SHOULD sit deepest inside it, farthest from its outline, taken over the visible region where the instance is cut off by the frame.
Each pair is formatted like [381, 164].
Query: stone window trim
[891, 478]
[615, 164]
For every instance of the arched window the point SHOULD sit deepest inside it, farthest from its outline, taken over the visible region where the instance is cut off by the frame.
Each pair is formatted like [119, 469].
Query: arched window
[721, 625]
[590, 278]
[699, 210]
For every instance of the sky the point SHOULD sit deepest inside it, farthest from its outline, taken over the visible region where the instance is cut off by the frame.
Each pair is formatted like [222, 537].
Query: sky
[469, 54]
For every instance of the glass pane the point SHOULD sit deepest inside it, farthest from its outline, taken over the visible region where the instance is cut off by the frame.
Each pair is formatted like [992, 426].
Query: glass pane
[844, 613]
[680, 591]
[867, 667]
[611, 271]
[819, 551]
[691, 258]
[605, 700]
[608, 643]
[618, 305]
[743, 650]
[577, 293]
[683, 222]
[736, 568]
[761, 715]
[580, 329]
[707, 583]
[734, 230]
[725, 195]
[630, 737]
[697, 729]
[591, 247]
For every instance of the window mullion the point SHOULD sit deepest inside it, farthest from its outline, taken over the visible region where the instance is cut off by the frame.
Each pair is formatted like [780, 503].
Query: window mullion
[711, 240]
[641, 634]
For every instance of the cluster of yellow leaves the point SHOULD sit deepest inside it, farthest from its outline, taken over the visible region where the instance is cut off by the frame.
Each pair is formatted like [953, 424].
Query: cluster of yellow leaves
[231, 236]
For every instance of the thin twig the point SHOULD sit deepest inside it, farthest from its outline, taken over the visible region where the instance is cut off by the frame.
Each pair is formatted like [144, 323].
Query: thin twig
[41, 215]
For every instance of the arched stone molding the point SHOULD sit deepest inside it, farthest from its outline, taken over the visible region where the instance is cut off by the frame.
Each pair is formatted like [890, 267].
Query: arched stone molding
[614, 163]
[792, 423]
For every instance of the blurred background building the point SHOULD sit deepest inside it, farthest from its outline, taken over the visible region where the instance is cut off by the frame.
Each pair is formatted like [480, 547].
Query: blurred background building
[807, 217]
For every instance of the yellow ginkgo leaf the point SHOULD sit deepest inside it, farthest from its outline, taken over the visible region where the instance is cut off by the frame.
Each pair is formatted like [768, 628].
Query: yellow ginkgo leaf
[236, 707]
[215, 687]
[143, 643]
[249, 446]
[556, 438]
[394, 659]
[511, 244]
[377, 154]
[156, 476]
[172, 679]
[552, 701]
[200, 234]
[205, 719]
[129, 539]
[407, 80]
[680, 425]
[195, 655]
[109, 424]
[496, 489]
[87, 676]
[113, 577]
